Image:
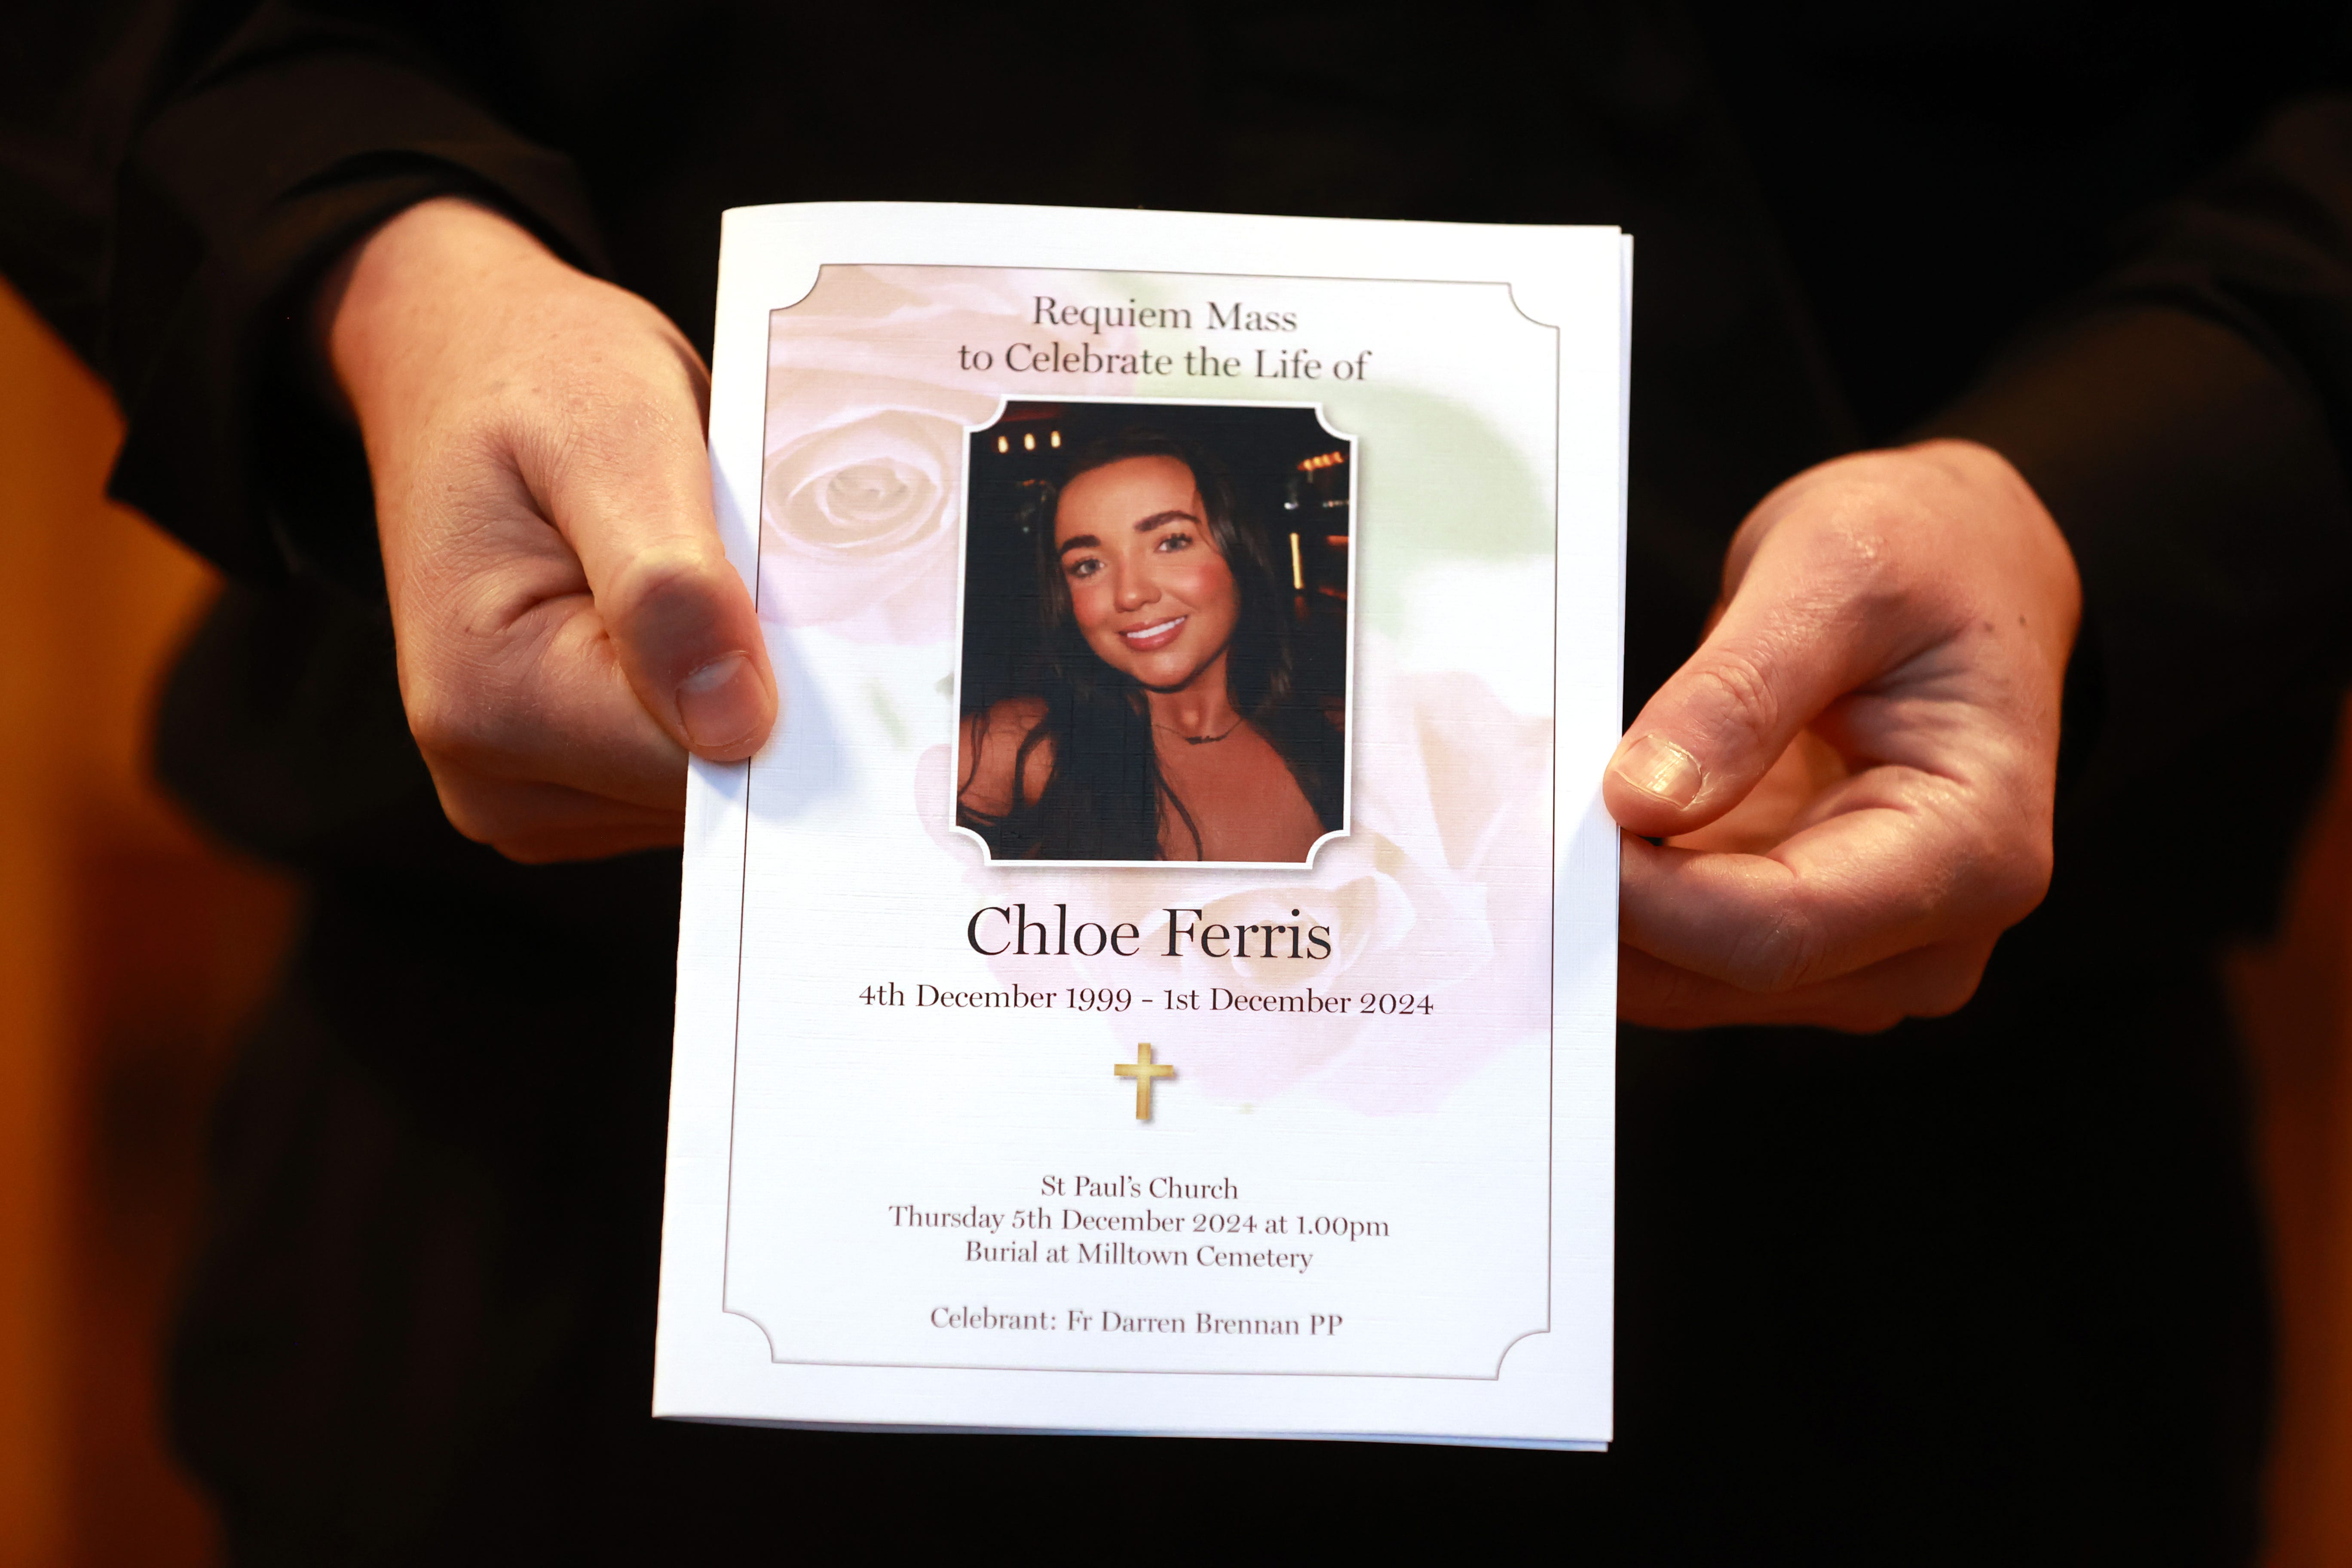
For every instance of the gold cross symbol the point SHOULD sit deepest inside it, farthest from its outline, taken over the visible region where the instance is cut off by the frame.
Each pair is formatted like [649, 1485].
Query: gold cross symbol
[1142, 1070]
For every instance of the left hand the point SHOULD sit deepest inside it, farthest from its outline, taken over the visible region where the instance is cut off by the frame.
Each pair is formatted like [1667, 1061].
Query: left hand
[1856, 772]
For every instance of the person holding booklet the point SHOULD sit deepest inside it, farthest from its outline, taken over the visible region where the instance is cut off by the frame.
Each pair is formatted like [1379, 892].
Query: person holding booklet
[1936, 1238]
[1165, 638]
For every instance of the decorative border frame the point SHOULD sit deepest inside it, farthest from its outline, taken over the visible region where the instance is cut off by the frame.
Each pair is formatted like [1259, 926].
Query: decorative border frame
[742, 904]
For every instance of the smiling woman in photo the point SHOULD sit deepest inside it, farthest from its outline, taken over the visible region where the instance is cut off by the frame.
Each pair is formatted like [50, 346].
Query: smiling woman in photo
[1170, 727]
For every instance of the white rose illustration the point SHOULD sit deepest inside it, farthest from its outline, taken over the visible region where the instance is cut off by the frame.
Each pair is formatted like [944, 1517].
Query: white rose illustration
[857, 525]
[867, 411]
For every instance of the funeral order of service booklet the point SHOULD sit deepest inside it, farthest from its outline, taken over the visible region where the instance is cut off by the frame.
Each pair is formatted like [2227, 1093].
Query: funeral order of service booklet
[1160, 976]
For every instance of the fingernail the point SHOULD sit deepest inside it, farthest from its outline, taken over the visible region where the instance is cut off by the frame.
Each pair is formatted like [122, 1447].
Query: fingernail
[1656, 765]
[721, 703]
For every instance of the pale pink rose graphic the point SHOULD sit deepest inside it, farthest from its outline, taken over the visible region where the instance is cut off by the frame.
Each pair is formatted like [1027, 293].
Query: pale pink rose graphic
[857, 525]
[867, 410]
[1442, 890]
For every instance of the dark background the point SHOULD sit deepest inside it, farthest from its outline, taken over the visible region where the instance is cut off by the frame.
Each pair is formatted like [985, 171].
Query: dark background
[1264, 450]
[1986, 1288]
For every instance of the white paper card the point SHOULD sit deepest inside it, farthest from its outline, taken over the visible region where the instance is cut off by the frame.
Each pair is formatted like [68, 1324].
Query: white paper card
[1160, 976]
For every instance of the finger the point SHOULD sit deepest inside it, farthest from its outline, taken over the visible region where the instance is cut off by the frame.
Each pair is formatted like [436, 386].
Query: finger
[1814, 615]
[538, 822]
[1901, 866]
[608, 744]
[1781, 802]
[539, 698]
[546, 847]
[1926, 983]
[630, 488]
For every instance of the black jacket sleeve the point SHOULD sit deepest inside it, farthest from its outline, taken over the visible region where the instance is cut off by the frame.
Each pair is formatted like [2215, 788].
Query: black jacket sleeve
[2186, 423]
[172, 200]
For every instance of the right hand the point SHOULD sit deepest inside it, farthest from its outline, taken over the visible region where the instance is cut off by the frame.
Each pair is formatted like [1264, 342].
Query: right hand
[1857, 774]
[568, 625]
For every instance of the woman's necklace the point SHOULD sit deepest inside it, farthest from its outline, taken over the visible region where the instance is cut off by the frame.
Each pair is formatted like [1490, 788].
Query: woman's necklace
[1198, 740]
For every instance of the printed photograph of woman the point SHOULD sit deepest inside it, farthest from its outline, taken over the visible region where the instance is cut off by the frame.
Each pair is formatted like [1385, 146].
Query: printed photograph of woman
[1169, 682]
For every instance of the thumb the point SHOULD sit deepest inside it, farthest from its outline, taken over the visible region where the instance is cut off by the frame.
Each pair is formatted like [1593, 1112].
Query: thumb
[1802, 629]
[634, 501]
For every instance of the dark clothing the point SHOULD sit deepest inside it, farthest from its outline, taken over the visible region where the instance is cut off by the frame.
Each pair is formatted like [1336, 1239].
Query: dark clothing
[1987, 1289]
